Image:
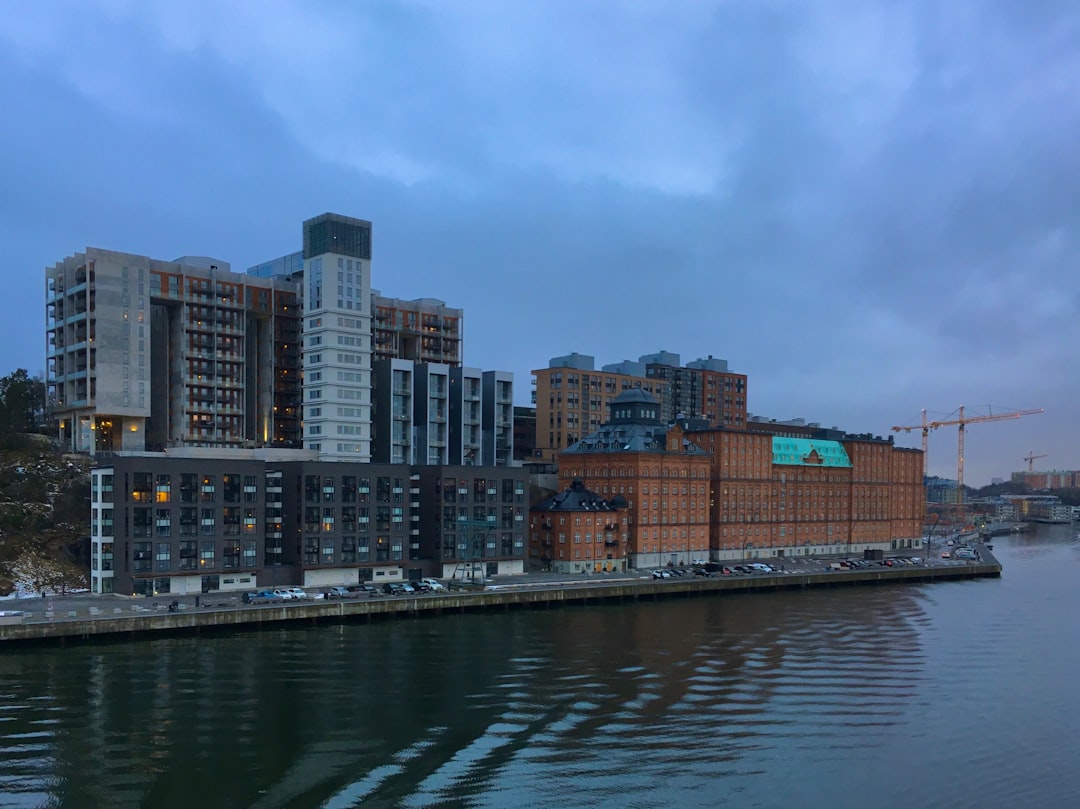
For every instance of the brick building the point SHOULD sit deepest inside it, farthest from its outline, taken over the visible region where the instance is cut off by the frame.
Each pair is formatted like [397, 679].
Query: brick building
[578, 531]
[663, 477]
[783, 495]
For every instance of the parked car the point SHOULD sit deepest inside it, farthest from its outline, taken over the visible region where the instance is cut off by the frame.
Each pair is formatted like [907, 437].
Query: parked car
[420, 586]
[661, 574]
[435, 585]
[336, 592]
[393, 588]
[407, 588]
[296, 594]
[700, 571]
[261, 597]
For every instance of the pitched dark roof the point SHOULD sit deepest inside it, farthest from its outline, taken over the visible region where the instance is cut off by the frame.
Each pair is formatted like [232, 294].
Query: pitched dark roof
[577, 498]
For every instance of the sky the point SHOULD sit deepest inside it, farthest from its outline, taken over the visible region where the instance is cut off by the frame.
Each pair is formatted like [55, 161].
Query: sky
[867, 207]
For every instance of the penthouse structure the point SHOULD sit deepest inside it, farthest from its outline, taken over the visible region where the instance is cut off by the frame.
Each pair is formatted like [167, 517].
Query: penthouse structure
[149, 353]
[572, 398]
[424, 330]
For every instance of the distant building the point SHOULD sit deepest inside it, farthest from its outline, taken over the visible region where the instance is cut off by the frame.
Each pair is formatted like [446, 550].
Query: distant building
[572, 398]
[1048, 481]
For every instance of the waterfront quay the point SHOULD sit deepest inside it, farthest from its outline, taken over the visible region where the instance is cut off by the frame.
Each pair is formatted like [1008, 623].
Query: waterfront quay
[88, 618]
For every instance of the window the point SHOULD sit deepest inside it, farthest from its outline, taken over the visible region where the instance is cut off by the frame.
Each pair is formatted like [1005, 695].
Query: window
[140, 522]
[231, 521]
[230, 485]
[141, 557]
[141, 487]
[188, 555]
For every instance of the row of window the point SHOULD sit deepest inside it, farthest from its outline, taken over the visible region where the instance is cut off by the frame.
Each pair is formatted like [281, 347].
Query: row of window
[147, 487]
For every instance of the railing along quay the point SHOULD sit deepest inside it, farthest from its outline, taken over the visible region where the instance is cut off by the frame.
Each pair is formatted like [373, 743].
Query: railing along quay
[143, 622]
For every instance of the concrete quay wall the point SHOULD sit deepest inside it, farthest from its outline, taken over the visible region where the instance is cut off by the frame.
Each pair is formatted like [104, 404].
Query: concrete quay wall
[146, 624]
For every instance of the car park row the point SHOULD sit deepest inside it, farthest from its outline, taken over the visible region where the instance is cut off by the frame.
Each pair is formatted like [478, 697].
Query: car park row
[292, 594]
[798, 566]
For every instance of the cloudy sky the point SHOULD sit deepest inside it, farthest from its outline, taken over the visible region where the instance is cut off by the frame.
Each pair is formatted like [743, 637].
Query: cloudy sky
[869, 208]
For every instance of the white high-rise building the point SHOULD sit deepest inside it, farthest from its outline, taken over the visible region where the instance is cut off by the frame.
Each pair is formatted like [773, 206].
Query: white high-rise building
[337, 337]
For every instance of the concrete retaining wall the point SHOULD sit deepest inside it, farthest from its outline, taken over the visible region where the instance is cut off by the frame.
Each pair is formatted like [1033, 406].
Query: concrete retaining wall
[144, 623]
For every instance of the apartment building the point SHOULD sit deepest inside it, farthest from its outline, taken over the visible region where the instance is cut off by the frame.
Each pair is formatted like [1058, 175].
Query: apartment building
[424, 330]
[149, 353]
[572, 398]
[497, 413]
[663, 478]
[466, 416]
[337, 347]
[474, 520]
[432, 414]
[207, 522]
[1040, 481]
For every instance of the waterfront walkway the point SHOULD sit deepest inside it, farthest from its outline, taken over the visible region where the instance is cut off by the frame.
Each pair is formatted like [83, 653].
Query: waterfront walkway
[84, 616]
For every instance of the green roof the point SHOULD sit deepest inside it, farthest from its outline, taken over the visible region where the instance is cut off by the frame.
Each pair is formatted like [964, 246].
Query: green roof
[808, 452]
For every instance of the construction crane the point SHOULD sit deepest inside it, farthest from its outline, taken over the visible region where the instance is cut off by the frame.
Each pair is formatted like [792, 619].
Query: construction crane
[1031, 458]
[961, 421]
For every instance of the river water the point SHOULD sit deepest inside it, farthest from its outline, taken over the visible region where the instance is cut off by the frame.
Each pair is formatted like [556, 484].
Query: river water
[958, 694]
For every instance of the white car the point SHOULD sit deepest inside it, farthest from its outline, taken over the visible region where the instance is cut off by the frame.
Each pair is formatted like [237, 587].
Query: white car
[295, 593]
[435, 585]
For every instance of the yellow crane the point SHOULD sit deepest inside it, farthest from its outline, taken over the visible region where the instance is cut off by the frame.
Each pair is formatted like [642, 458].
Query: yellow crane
[961, 421]
[1031, 457]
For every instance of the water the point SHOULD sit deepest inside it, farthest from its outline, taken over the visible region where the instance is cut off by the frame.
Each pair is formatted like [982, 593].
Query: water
[946, 695]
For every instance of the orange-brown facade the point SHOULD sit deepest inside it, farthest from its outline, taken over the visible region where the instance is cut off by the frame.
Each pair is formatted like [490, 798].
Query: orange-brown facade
[571, 404]
[667, 496]
[763, 509]
[578, 541]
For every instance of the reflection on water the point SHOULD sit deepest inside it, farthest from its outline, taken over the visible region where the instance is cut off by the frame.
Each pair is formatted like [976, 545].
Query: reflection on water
[928, 695]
